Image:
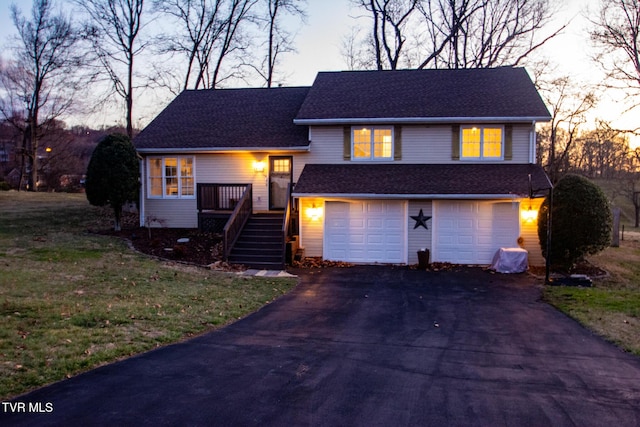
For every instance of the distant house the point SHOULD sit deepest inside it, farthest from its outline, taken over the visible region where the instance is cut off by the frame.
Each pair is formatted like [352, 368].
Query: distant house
[381, 164]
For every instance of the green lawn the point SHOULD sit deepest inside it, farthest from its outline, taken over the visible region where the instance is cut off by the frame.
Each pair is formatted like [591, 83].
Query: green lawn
[611, 307]
[71, 300]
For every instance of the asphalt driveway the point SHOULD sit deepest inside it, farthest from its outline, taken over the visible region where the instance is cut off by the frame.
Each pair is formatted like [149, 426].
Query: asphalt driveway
[367, 346]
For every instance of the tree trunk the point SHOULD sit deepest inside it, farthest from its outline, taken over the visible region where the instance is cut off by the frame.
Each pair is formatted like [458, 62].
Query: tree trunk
[117, 224]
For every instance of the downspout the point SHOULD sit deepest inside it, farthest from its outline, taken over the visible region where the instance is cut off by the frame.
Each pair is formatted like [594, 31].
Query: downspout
[142, 192]
[549, 223]
[533, 142]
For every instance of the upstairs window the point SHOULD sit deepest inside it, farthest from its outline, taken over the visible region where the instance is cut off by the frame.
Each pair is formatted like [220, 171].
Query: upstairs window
[481, 142]
[374, 143]
[171, 177]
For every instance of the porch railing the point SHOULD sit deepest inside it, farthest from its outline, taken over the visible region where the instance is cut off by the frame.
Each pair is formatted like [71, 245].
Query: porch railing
[241, 213]
[285, 224]
[219, 197]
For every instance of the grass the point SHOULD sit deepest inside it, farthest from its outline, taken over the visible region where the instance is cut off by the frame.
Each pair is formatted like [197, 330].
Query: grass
[612, 307]
[72, 300]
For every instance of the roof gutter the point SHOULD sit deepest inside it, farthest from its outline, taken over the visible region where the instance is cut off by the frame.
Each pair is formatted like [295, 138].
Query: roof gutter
[412, 196]
[420, 120]
[207, 150]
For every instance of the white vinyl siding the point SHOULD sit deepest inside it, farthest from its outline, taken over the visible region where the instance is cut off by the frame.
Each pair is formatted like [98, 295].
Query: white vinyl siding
[420, 144]
[418, 238]
[529, 233]
[426, 144]
[171, 213]
[311, 230]
[327, 145]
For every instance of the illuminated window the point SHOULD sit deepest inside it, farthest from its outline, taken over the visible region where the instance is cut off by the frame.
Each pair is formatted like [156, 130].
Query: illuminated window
[362, 143]
[481, 142]
[171, 177]
[372, 143]
[281, 166]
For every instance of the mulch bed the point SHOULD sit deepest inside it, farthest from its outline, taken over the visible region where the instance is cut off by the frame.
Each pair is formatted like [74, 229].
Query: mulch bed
[202, 248]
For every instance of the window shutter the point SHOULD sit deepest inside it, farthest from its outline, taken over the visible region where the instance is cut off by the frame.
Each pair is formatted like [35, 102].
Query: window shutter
[397, 143]
[508, 142]
[346, 151]
[455, 142]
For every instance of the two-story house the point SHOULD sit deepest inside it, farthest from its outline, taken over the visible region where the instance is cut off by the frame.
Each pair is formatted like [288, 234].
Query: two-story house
[382, 163]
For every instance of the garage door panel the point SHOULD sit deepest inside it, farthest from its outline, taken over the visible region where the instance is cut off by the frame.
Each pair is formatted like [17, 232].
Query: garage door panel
[356, 223]
[375, 239]
[396, 241]
[356, 238]
[374, 207]
[470, 232]
[340, 238]
[485, 240]
[375, 232]
[395, 224]
[465, 224]
[464, 240]
[375, 224]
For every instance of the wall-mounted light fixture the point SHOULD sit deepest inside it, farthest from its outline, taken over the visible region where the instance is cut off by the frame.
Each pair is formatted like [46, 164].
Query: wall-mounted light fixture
[314, 212]
[258, 166]
[529, 215]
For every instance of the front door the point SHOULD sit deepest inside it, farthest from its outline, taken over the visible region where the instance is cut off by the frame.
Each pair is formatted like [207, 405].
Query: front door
[280, 176]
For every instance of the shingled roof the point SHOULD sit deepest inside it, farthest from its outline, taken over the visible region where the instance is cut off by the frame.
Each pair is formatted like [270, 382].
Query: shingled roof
[491, 94]
[416, 180]
[220, 119]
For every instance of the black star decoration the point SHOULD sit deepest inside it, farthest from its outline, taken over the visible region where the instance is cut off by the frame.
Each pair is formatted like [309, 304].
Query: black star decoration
[421, 220]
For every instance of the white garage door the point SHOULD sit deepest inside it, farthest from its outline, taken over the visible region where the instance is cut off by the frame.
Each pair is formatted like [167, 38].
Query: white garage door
[365, 231]
[470, 232]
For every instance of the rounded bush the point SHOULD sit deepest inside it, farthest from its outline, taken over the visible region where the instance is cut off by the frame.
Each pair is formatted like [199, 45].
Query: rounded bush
[581, 221]
[113, 175]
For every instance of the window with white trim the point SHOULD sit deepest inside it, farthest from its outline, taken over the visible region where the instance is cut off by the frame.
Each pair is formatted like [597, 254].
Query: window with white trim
[171, 177]
[481, 142]
[372, 143]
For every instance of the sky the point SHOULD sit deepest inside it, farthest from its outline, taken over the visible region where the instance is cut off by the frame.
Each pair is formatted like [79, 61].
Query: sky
[318, 45]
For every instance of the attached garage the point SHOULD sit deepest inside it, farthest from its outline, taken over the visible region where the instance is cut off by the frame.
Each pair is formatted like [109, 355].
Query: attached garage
[366, 213]
[365, 231]
[470, 232]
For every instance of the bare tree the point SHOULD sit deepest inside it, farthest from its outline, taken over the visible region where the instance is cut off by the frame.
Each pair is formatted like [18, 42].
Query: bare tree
[603, 152]
[390, 19]
[279, 40]
[201, 25]
[458, 33]
[39, 81]
[484, 33]
[568, 104]
[616, 34]
[209, 31]
[113, 29]
[354, 53]
[238, 13]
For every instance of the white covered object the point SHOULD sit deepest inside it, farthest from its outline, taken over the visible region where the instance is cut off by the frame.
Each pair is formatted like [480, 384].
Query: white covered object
[510, 260]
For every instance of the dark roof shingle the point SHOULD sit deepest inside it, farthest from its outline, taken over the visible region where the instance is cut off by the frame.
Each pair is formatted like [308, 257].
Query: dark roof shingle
[421, 180]
[228, 118]
[504, 92]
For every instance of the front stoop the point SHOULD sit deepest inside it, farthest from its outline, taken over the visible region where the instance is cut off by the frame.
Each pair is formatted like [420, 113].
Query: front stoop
[260, 244]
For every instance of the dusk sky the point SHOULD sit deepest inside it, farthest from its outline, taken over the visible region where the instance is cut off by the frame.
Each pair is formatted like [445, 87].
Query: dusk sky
[319, 44]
